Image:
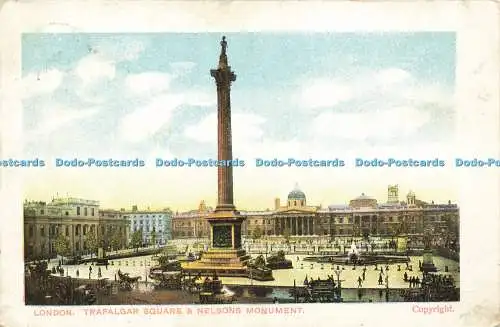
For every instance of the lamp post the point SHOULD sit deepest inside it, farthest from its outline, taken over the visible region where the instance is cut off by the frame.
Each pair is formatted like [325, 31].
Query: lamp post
[387, 288]
[338, 272]
[145, 272]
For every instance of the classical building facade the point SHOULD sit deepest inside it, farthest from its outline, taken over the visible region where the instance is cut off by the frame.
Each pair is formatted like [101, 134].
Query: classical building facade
[79, 222]
[155, 225]
[192, 224]
[363, 216]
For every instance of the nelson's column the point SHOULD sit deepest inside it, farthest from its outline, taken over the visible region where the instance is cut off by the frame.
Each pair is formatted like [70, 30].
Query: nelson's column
[225, 257]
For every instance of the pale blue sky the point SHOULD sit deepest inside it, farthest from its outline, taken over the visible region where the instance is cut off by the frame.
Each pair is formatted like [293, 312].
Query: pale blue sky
[152, 94]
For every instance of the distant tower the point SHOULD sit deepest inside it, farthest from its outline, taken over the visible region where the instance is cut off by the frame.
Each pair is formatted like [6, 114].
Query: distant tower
[393, 194]
[202, 207]
[411, 199]
[277, 203]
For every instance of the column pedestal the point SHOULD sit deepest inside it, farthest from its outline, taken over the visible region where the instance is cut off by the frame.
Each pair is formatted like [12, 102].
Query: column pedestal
[225, 257]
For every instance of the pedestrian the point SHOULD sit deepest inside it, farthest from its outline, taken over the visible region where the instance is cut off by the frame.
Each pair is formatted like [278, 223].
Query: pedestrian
[364, 275]
[360, 281]
[77, 273]
[380, 279]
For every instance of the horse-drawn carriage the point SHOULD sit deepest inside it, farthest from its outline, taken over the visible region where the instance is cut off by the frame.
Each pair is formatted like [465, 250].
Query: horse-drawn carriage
[170, 280]
[320, 290]
[167, 274]
[126, 282]
[323, 290]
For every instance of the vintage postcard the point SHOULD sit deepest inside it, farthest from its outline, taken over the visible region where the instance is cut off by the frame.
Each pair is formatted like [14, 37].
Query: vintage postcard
[250, 163]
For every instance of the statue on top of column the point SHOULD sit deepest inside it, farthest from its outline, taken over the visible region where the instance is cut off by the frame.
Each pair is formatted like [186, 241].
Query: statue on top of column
[223, 45]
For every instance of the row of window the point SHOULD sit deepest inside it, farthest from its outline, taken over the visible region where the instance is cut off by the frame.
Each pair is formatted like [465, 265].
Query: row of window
[339, 220]
[148, 216]
[147, 222]
[54, 230]
[147, 230]
[85, 211]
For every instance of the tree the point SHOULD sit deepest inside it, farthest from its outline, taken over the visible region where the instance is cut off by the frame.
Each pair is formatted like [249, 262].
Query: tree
[91, 241]
[62, 246]
[136, 239]
[116, 239]
[153, 236]
[257, 233]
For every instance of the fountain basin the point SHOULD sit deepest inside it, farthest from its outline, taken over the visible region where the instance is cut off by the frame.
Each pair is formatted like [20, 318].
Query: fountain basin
[367, 259]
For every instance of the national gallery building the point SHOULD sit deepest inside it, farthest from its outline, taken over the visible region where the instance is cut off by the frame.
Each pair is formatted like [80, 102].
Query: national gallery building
[78, 221]
[363, 216]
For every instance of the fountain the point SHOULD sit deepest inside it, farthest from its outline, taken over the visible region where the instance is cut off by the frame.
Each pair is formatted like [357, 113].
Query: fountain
[353, 254]
[354, 257]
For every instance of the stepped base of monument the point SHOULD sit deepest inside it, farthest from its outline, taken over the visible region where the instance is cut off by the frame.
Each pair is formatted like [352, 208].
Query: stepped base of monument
[226, 263]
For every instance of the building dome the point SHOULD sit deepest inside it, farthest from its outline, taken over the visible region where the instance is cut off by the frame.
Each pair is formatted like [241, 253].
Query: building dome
[296, 194]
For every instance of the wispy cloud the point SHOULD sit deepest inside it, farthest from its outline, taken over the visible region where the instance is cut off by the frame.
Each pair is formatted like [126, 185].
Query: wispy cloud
[57, 118]
[93, 68]
[392, 76]
[389, 124]
[45, 82]
[182, 67]
[245, 128]
[148, 83]
[325, 92]
[119, 51]
[147, 120]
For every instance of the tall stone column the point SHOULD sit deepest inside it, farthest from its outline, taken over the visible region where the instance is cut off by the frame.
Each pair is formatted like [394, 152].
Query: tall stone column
[223, 78]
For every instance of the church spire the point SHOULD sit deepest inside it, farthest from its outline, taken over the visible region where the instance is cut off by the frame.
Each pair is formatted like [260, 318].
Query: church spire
[223, 56]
